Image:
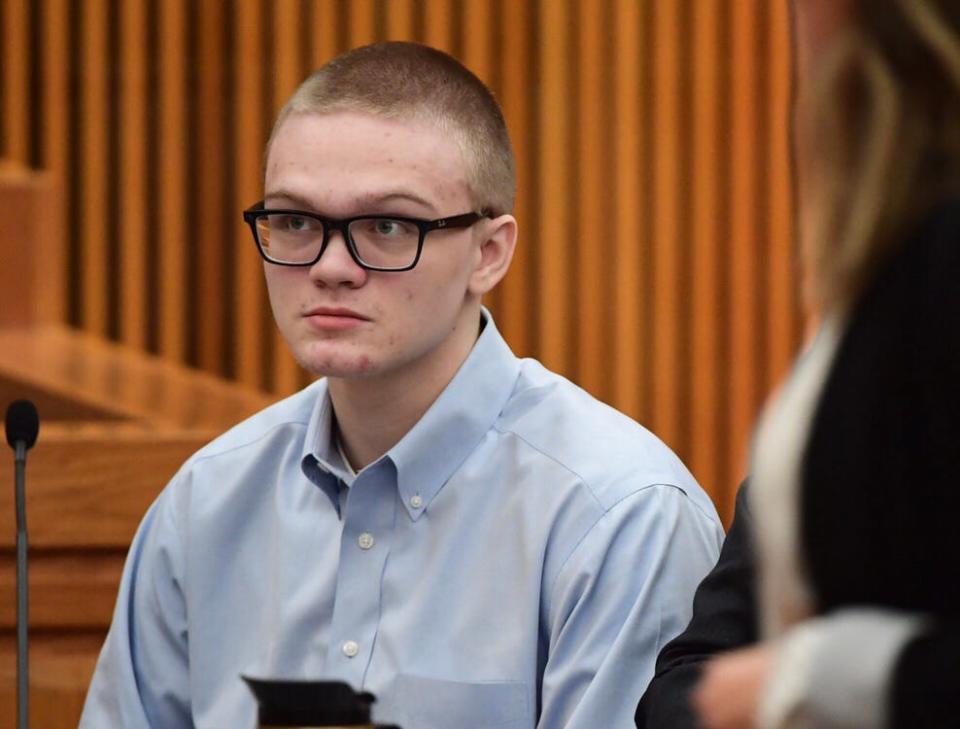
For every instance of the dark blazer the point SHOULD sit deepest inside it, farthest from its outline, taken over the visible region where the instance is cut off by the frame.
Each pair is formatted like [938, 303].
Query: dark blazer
[724, 617]
[880, 481]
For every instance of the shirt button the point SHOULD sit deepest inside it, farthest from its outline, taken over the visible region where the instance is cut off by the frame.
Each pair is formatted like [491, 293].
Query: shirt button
[350, 649]
[416, 502]
[365, 540]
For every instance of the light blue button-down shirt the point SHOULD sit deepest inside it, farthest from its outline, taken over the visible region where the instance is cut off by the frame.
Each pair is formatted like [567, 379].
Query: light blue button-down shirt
[517, 560]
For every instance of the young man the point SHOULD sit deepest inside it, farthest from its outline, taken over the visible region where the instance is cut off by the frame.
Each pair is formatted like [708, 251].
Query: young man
[468, 536]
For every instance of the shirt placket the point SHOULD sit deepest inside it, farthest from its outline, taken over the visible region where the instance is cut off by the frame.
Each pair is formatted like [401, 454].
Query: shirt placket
[368, 527]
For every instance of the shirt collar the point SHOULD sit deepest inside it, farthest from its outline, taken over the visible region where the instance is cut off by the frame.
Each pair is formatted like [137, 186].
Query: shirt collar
[429, 454]
[448, 432]
[320, 460]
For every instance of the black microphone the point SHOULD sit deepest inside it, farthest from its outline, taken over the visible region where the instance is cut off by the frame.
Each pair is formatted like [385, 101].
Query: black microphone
[23, 424]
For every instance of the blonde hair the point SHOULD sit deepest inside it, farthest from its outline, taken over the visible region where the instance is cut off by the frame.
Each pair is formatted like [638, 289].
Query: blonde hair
[409, 80]
[884, 125]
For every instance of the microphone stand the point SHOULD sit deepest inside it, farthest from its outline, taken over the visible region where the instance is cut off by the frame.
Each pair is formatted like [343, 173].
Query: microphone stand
[22, 591]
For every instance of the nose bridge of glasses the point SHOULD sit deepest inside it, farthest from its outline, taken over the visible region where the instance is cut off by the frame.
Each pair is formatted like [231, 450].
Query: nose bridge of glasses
[337, 229]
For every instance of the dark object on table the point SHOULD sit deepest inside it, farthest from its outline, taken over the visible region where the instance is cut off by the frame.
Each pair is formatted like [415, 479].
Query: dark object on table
[310, 704]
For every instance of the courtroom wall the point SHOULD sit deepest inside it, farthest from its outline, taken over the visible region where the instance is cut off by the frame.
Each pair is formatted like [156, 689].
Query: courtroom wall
[656, 260]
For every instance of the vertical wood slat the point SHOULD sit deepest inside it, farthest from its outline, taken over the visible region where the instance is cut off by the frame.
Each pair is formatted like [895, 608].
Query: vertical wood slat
[399, 20]
[133, 162]
[15, 70]
[477, 56]
[287, 76]
[663, 346]
[629, 360]
[249, 299]
[207, 254]
[782, 277]
[705, 415]
[55, 136]
[516, 298]
[172, 182]
[591, 236]
[439, 24]
[363, 23]
[741, 272]
[324, 33]
[553, 173]
[94, 218]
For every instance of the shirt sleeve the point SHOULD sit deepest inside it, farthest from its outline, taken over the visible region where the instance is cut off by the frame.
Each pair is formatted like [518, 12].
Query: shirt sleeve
[835, 671]
[624, 592]
[724, 617]
[142, 680]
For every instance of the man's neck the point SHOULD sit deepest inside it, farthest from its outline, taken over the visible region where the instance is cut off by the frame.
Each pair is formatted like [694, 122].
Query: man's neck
[373, 414]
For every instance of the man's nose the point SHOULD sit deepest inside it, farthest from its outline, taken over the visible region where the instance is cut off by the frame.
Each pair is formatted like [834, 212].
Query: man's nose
[336, 266]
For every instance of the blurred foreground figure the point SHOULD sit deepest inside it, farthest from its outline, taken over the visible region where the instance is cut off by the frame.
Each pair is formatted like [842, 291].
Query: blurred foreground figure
[435, 521]
[855, 482]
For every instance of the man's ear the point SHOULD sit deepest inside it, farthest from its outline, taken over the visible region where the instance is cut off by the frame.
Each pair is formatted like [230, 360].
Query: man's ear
[497, 242]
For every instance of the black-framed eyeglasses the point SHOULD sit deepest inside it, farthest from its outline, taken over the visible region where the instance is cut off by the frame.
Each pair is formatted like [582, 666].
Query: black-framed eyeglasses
[375, 242]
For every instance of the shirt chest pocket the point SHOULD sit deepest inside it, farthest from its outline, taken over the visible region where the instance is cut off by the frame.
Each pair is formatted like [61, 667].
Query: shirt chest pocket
[430, 703]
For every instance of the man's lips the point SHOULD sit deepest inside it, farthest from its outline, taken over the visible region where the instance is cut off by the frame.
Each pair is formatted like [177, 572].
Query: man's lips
[336, 312]
[334, 318]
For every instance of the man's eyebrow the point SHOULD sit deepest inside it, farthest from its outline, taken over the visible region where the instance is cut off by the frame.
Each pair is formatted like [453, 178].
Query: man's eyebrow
[388, 197]
[369, 200]
[292, 197]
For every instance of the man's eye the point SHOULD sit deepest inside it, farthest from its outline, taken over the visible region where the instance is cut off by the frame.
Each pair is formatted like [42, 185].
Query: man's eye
[294, 223]
[387, 227]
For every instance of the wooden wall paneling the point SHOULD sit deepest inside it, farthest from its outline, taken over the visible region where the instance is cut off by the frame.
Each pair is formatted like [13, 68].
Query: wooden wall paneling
[590, 239]
[554, 215]
[783, 274]
[172, 182]
[249, 337]
[132, 215]
[705, 366]
[54, 139]
[663, 347]
[287, 75]
[399, 19]
[562, 69]
[95, 215]
[363, 22]
[629, 359]
[518, 93]
[439, 27]
[16, 70]
[742, 267]
[213, 227]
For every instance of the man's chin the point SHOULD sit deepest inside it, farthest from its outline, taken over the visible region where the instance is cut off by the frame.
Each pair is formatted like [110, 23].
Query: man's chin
[358, 366]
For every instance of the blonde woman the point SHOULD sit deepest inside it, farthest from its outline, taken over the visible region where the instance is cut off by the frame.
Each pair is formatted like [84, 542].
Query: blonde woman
[856, 472]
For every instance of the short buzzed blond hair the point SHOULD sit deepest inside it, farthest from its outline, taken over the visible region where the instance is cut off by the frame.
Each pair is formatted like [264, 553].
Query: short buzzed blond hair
[400, 79]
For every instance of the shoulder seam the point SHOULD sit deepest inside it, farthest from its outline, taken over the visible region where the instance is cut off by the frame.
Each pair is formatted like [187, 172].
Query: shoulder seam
[200, 456]
[552, 458]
